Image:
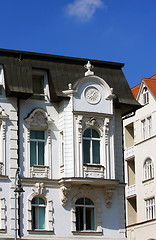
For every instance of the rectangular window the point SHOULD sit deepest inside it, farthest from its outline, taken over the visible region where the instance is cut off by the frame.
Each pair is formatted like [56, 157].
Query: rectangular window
[150, 208]
[149, 126]
[143, 129]
[146, 127]
[37, 147]
[38, 81]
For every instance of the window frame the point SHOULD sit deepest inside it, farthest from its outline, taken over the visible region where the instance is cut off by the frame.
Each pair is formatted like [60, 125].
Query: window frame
[145, 95]
[39, 120]
[44, 93]
[90, 139]
[148, 169]
[84, 207]
[146, 127]
[150, 208]
[37, 141]
[35, 209]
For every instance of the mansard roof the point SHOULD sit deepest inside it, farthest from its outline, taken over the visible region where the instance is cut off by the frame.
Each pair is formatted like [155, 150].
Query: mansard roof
[149, 82]
[61, 71]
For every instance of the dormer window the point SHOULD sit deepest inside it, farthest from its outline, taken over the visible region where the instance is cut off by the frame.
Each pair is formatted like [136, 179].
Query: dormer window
[38, 81]
[145, 95]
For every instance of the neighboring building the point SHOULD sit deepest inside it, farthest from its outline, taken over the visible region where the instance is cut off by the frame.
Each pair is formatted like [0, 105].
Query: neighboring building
[140, 163]
[62, 125]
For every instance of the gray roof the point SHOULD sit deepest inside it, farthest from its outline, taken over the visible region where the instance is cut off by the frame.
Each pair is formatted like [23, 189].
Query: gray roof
[61, 71]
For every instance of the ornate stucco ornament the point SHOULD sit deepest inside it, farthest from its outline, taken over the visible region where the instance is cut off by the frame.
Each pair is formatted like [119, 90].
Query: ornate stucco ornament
[39, 188]
[108, 197]
[65, 189]
[88, 66]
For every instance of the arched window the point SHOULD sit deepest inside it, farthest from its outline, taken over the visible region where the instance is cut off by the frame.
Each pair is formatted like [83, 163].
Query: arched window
[38, 213]
[148, 169]
[85, 219]
[145, 95]
[91, 146]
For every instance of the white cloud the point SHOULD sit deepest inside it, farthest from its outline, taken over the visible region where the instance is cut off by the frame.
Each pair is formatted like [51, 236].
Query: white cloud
[84, 9]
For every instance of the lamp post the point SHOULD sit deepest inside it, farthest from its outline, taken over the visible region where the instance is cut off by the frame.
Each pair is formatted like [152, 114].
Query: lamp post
[17, 192]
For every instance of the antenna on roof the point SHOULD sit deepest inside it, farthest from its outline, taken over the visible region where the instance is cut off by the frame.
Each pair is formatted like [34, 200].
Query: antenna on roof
[88, 66]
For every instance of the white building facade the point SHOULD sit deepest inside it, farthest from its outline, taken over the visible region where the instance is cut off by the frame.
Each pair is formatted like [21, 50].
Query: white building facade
[61, 135]
[140, 163]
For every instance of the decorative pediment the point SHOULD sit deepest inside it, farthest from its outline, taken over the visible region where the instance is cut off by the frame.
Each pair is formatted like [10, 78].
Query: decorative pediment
[38, 119]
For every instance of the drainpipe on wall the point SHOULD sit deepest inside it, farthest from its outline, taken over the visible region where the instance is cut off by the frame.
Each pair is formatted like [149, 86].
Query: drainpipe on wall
[18, 160]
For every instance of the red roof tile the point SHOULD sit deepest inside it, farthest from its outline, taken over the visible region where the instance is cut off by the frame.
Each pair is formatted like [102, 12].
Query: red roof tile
[135, 90]
[150, 83]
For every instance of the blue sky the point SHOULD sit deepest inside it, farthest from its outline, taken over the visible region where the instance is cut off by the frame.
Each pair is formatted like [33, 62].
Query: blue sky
[109, 30]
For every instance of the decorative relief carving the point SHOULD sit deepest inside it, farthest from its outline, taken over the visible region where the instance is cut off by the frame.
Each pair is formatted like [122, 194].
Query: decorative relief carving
[39, 171]
[108, 197]
[79, 119]
[65, 189]
[38, 119]
[1, 168]
[86, 189]
[49, 136]
[93, 171]
[39, 188]
[3, 115]
[92, 95]
[106, 130]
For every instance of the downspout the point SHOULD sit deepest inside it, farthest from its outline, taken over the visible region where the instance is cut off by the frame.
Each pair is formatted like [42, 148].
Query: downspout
[18, 160]
[124, 180]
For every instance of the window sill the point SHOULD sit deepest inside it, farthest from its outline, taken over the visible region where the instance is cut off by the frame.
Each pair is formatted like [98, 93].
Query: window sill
[92, 232]
[41, 231]
[148, 180]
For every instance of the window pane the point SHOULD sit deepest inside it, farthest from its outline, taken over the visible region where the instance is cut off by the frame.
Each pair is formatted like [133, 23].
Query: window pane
[79, 219]
[96, 151]
[86, 151]
[41, 218]
[80, 201]
[88, 201]
[37, 134]
[33, 153]
[87, 133]
[95, 134]
[89, 218]
[41, 153]
[33, 217]
[41, 201]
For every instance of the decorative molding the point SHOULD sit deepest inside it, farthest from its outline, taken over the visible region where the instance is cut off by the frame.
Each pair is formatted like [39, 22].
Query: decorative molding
[88, 66]
[3, 214]
[65, 189]
[92, 95]
[1, 168]
[94, 122]
[39, 189]
[108, 197]
[38, 119]
[93, 171]
[39, 171]
[3, 115]
[106, 125]
[79, 119]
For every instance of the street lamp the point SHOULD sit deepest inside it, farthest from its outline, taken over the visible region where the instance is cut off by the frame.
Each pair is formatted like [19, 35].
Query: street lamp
[18, 190]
